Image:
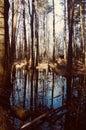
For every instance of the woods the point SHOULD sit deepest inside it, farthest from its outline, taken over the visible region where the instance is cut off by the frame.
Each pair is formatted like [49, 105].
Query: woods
[30, 26]
[42, 36]
[29, 30]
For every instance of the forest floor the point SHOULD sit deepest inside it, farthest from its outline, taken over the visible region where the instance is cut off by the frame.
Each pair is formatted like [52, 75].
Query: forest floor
[59, 67]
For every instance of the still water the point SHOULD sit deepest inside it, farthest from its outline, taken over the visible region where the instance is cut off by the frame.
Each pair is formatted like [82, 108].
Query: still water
[47, 89]
[44, 91]
[41, 92]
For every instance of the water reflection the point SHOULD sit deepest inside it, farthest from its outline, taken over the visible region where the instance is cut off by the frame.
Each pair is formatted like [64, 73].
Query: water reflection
[40, 92]
[76, 118]
[37, 89]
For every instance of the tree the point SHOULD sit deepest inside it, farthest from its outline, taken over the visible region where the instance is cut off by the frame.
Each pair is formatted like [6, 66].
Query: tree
[14, 21]
[82, 31]
[32, 32]
[4, 8]
[25, 40]
[37, 37]
[70, 27]
[65, 44]
[2, 42]
[53, 30]
[70, 55]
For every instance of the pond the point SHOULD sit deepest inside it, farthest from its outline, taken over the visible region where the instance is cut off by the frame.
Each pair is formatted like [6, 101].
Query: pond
[44, 92]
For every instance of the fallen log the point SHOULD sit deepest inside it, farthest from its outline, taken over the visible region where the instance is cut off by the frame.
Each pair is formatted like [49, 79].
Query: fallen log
[56, 117]
[34, 120]
[56, 96]
[49, 113]
[54, 111]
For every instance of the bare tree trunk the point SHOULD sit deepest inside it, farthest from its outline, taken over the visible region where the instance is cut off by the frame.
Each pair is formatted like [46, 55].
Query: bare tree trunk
[70, 55]
[75, 43]
[70, 25]
[53, 30]
[4, 41]
[32, 49]
[29, 47]
[82, 32]
[32, 33]
[14, 23]
[65, 42]
[44, 46]
[25, 40]
[37, 38]
[6, 9]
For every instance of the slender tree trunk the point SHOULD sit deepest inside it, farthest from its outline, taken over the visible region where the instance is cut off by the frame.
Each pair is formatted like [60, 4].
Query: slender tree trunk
[32, 48]
[14, 23]
[6, 9]
[70, 25]
[65, 42]
[25, 40]
[81, 24]
[29, 47]
[32, 33]
[37, 38]
[82, 32]
[44, 46]
[70, 55]
[75, 43]
[53, 30]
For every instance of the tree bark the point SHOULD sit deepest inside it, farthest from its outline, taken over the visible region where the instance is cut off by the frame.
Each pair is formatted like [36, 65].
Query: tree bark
[65, 44]
[53, 30]
[14, 23]
[37, 38]
[82, 33]
[70, 25]
[70, 55]
[2, 42]
[25, 40]
[32, 33]
[6, 9]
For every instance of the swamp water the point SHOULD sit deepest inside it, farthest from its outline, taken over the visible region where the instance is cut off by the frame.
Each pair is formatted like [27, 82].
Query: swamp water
[46, 92]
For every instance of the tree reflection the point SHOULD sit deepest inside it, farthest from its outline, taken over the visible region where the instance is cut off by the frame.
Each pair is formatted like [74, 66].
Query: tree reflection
[52, 90]
[75, 116]
[48, 91]
[31, 96]
[36, 88]
[25, 81]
